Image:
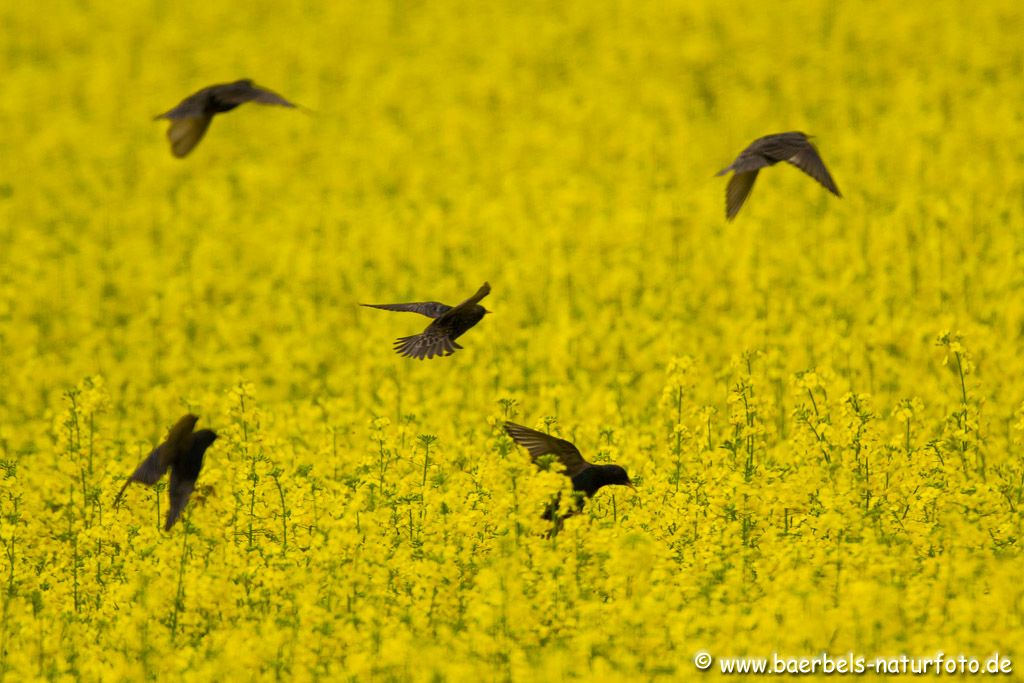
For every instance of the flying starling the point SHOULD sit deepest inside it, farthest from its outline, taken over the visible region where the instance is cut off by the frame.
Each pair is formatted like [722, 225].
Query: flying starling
[182, 451]
[794, 147]
[191, 118]
[586, 477]
[449, 324]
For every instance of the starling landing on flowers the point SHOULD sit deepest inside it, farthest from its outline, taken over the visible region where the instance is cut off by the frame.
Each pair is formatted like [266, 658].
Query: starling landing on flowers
[191, 118]
[586, 477]
[796, 148]
[449, 324]
[182, 451]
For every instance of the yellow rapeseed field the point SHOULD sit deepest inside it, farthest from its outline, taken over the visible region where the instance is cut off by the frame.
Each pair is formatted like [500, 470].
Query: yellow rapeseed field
[821, 402]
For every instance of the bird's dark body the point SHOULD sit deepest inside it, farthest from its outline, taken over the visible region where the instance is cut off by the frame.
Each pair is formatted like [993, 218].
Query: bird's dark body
[185, 472]
[590, 480]
[450, 323]
[584, 486]
[794, 147]
[182, 452]
[192, 116]
[216, 106]
[190, 463]
[215, 99]
[768, 150]
[458, 321]
[587, 478]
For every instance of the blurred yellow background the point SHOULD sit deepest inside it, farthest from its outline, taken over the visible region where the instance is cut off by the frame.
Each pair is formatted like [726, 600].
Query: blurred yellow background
[821, 402]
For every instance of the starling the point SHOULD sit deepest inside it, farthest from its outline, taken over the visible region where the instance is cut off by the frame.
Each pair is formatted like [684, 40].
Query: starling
[182, 451]
[586, 477]
[794, 147]
[449, 324]
[191, 118]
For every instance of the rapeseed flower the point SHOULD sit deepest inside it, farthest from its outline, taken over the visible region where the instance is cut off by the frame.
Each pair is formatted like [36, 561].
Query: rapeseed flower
[820, 403]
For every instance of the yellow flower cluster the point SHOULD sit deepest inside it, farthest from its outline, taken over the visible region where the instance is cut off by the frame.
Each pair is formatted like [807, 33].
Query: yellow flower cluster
[821, 402]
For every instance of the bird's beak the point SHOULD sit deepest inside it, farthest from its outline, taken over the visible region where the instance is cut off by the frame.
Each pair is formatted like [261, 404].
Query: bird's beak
[632, 488]
[486, 311]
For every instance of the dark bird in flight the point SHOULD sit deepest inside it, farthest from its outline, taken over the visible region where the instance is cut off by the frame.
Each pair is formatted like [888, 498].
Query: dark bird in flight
[182, 451]
[449, 324]
[191, 118]
[586, 477]
[794, 147]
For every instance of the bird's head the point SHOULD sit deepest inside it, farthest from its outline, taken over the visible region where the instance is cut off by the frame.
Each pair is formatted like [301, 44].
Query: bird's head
[203, 438]
[613, 474]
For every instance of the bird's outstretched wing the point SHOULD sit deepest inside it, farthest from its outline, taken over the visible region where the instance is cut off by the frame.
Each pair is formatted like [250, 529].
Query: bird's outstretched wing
[148, 472]
[240, 92]
[185, 471]
[539, 443]
[185, 133]
[809, 161]
[192, 116]
[153, 467]
[737, 191]
[191, 106]
[434, 341]
[484, 290]
[794, 147]
[747, 161]
[180, 436]
[431, 309]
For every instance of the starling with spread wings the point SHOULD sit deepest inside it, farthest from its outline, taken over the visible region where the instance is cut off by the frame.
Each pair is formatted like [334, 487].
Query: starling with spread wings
[794, 147]
[450, 323]
[586, 477]
[191, 118]
[181, 452]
